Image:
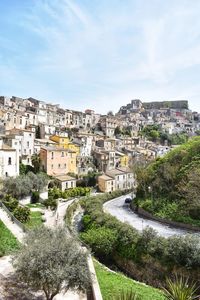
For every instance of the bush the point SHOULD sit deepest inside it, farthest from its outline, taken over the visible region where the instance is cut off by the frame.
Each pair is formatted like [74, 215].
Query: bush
[102, 240]
[50, 202]
[56, 193]
[10, 202]
[22, 214]
[35, 197]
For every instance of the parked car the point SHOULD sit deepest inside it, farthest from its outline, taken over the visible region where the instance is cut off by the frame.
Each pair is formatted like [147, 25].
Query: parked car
[128, 200]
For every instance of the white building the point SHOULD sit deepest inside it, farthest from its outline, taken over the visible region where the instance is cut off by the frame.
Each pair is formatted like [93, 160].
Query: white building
[9, 161]
[23, 142]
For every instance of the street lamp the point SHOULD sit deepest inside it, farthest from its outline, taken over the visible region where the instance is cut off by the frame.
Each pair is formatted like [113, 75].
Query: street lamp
[151, 192]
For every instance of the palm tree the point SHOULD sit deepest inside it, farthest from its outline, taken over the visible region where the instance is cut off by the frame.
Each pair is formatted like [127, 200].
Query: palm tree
[126, 295]
[180, 289]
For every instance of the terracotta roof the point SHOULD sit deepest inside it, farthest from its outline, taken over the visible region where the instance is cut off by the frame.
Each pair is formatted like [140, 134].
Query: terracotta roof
[6, 148]
[114, 172]
[64, 178]
[52, 148]
[105, 177]
[125, 169]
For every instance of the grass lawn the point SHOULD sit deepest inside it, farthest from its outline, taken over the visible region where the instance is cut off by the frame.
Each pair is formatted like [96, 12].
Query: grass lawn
[8, 242]
[35, 220]
[112, 283]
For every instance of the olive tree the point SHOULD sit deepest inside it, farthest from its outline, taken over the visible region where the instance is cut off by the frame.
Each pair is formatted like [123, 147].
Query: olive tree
[51, 261]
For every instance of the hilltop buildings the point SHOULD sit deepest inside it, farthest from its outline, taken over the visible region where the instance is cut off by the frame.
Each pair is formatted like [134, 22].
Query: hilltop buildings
[72, 143]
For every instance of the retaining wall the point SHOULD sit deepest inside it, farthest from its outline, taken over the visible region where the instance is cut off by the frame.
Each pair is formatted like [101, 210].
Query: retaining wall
[143, 213]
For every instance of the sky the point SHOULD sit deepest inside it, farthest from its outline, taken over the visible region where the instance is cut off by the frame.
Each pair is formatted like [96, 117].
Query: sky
[100, 54]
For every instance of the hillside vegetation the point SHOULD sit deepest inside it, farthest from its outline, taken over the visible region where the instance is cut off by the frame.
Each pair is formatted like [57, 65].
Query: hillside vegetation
[170, 186]
[113, 283]
[145, 256]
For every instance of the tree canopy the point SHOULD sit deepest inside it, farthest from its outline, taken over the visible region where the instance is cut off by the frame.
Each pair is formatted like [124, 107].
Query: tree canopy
[175, 184]
[51, 261]
[23, 185]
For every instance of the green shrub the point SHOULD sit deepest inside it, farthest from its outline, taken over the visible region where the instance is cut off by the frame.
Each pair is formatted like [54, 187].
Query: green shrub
[55, 193]
[22, 213]
[102, 240]
[35, 197]
[10, 202]
[51, 202]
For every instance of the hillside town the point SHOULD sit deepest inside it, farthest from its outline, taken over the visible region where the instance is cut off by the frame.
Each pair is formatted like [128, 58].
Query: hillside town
[70, 144]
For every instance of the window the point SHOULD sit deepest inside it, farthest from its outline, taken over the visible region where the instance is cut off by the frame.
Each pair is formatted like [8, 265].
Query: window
[28, 160]
[6, 174]
[65, 165]
[52, 166]
[29, 151]
[66, 185]
[58, 165]
[9, 160]
[20, 121]
[52, 156]
[30, 134]
[27, 144]
[62, 154]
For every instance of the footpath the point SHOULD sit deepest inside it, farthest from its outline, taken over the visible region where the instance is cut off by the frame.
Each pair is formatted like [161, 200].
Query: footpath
[16, 230]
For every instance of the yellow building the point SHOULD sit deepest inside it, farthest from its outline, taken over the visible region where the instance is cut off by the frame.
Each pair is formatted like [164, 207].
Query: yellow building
[60, 140]
[74, 147]
[124, 160]
[64, 142]
[106, 184]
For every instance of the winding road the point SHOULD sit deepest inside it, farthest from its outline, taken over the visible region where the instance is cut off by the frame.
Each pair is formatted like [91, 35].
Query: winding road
[122, 212]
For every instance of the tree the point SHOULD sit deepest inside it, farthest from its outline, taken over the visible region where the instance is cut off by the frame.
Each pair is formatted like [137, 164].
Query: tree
[37, 132]
[51, 261]
[117, 130]
[189, 189]
[35, 159]
[180, 289]
[23, 185]
[110, 113]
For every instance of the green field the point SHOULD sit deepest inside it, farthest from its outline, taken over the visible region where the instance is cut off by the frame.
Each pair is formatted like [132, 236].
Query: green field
[35, 220]
[8, 242]
[111, 283]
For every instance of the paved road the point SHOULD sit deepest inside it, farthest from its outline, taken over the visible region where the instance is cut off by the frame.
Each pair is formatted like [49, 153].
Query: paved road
[122, 212]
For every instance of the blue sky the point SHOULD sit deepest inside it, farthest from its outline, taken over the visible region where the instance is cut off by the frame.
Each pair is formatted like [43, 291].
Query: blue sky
[100, 54]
